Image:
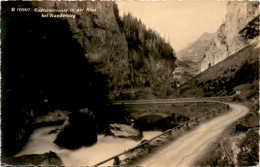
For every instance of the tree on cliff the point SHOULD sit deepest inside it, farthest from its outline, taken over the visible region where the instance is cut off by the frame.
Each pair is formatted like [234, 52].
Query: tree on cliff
[151, 58]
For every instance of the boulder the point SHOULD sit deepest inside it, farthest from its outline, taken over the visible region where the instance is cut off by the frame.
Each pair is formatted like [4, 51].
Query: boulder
[78, 130]
[126, 131]
[151, 121]
[52, 118]
[45, 159]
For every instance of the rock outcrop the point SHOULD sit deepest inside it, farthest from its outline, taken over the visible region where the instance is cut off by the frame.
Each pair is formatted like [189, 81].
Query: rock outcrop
[57, 117]
[47, 159]
[229, 38]
[125, 131]
[78, 130]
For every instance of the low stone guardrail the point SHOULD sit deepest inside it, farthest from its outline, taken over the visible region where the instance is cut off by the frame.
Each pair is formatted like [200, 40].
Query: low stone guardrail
[170, 134]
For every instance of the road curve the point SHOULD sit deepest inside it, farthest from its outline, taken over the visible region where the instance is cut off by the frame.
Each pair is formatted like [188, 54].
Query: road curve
[191, 146]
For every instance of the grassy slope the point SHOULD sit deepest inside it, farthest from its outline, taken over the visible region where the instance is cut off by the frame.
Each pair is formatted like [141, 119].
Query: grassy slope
[185, 70]
[222, 78]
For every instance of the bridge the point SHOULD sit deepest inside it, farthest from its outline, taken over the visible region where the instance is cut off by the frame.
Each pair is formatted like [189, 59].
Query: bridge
[170, 101]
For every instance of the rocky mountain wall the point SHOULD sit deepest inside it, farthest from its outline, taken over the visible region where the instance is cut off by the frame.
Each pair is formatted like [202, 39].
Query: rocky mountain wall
[121, 48]
[98, 33]
[229, 39]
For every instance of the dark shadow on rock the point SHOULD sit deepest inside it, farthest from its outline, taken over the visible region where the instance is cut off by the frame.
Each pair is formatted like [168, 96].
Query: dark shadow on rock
[41, 60]
[157, 122]
[149, 122]
[53, 131]
[78, 130]
[45, 159]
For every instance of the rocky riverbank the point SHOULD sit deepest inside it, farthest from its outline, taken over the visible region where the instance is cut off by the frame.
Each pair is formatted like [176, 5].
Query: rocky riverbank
[45, 159]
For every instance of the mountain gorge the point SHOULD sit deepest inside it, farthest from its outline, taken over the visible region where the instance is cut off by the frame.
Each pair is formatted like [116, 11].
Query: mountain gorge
[234, 60]
[123, 49]
[70, 64]
[223, 79]
[78, 66]
[189, 58]
[238, 30]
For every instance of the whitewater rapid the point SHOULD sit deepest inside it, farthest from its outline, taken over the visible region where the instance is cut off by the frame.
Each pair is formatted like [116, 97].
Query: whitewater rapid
[41, 142]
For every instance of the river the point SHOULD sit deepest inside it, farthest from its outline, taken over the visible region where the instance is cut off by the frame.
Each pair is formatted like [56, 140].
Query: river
[41, 142]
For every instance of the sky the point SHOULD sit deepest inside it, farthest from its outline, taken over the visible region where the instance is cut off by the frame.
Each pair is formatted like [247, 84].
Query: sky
[180, 22]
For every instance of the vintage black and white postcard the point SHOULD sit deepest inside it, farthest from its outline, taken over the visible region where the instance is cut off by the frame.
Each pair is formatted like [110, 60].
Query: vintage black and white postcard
[140, 83]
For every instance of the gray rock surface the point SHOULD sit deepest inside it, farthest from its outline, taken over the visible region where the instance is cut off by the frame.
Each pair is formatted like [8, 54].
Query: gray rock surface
[228, 39]
[125, 131]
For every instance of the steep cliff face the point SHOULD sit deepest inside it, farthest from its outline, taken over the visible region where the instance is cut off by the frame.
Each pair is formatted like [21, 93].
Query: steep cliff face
[121, 48]
[98, 33]
[229, 39]
[151, 58]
